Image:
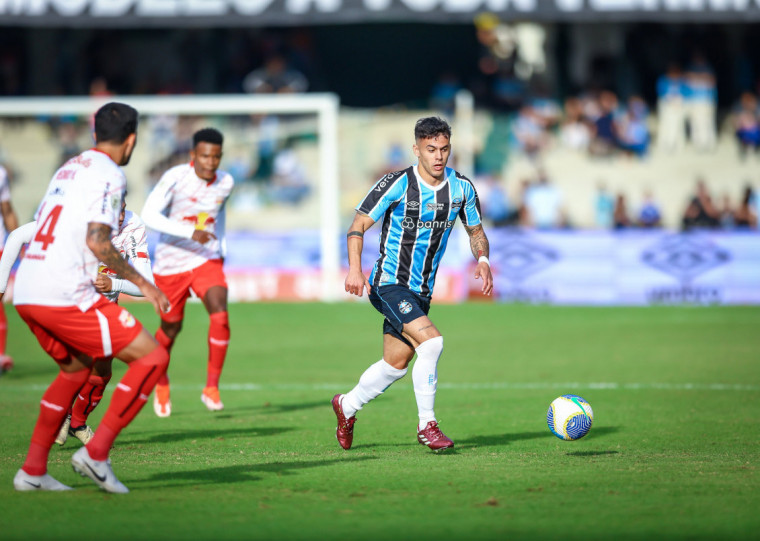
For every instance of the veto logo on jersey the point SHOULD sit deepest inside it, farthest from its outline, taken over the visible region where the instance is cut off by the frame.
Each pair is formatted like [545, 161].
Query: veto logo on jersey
[201, 220]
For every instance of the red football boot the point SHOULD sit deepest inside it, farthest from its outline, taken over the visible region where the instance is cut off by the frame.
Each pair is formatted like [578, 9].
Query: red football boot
[345, 430]
[432, 436]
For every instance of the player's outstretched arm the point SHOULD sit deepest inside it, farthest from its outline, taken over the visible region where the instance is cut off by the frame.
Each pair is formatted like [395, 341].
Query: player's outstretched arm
[356, 281]
[10, 220]
[481, 250]
[99, 241]
[13, 244]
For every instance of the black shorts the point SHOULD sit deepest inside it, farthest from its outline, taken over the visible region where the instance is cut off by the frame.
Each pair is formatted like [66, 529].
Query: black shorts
[399, 305]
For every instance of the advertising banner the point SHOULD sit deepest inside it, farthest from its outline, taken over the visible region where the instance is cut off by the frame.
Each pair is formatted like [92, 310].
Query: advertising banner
[252, 13]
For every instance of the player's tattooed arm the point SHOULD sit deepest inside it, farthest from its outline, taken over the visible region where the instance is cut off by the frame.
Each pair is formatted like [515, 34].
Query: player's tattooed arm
[356, 281]
[480, 249]
[99, 241]
[478, 241]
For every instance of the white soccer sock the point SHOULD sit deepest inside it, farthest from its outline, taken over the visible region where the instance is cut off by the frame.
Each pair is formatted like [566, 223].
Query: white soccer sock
[425, 378]
[375, 380]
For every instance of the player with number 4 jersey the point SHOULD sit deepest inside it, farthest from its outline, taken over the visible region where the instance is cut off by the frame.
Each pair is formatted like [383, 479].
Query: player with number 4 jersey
[187, 207]
[131, 242]
[56, 296]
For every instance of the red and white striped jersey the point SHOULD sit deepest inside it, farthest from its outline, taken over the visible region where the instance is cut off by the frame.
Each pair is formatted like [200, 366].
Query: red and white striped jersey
[132, 243]
[58, 268]
[180, 203]
[5, 195]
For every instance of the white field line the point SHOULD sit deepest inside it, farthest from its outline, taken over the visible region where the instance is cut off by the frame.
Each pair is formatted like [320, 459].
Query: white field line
[568, 386]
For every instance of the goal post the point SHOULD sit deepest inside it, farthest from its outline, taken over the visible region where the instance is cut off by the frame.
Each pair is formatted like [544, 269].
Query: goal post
[324, 105]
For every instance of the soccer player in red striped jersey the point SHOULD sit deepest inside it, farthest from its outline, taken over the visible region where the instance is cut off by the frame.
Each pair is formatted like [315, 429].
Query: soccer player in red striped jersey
[187, 207]
[131, 242]
[55, 295]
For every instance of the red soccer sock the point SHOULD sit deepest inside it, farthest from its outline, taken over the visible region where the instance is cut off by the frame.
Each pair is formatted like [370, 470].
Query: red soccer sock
[53, 408]
[218, 341]
[88, 398]
[128, 399]
[167, 342]
[3, 329]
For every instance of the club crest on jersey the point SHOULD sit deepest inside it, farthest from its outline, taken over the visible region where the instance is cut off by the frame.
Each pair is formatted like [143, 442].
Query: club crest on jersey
[404, 307]
[200, 221]
[126, 319]
[456, 203]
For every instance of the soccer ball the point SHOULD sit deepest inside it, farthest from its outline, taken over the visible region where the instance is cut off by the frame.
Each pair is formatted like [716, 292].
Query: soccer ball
[569, 417]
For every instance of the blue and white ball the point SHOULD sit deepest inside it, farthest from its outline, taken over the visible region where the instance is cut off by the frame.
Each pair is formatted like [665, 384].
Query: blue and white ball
[569, 417]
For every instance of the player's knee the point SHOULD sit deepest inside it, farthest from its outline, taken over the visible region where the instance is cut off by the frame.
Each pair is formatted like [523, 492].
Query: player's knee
[159, 358]
[221, 319]
[171, 329]
[432, 347]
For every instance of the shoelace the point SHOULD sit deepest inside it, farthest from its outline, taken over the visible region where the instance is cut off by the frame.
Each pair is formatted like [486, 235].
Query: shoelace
[347, 424]
[433, 433]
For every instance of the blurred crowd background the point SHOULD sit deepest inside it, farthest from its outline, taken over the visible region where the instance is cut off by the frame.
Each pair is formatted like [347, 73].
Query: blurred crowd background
[577, 125]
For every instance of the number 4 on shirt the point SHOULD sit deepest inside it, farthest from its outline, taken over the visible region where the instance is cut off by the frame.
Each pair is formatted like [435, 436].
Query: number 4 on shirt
[45, 232]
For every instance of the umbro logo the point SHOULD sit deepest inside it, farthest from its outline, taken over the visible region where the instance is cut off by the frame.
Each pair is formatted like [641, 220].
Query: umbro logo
[412, 204]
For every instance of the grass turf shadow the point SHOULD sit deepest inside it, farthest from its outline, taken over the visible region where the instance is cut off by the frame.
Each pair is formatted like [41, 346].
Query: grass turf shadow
[505, 439]
[239, 473]
[205, 434]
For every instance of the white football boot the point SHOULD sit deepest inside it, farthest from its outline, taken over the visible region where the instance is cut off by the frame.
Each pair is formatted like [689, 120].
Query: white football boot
[98, 470]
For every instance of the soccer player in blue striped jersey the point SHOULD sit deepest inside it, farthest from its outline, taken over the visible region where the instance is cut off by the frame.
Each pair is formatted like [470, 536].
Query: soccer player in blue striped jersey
[418, 207]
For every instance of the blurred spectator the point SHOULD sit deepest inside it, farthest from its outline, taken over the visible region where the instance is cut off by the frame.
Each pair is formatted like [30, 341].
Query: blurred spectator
[543, 204]
[632, 129]
[746, 215]
[671, 120]
[528, 130]
[444, 92]
[99, 87]
[747, 124]
[574, 131]
[604, 207]
[496, 206]
[701, 211]
[620, 219]
[509, 92]
[68, 138]
[604, 140]
[289, 182]
[701, 98]
[275, 77]
[649, 214]
[726, 213]
[395, 160]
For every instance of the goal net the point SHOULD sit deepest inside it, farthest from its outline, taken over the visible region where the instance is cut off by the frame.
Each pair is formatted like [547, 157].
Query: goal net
[283, 217]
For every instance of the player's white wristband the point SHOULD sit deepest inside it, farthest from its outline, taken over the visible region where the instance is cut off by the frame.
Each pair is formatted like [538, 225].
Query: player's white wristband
[484, 259]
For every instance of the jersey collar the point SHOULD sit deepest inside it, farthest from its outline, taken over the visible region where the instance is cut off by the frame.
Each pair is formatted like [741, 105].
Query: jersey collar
[429, 186]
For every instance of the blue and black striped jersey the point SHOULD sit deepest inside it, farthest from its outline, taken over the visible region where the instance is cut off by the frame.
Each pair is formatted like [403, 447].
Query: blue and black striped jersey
[416, 223]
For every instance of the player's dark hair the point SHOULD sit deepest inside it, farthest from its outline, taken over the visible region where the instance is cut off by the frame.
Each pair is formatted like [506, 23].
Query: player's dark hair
[208, 135]
[431, 127]
[114, 122]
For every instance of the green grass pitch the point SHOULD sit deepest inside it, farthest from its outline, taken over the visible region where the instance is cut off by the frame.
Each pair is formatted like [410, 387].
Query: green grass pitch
[673, 453]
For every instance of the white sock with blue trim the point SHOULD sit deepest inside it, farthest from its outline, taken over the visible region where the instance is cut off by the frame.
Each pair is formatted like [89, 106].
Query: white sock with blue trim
[425, 378]
[374, 381]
